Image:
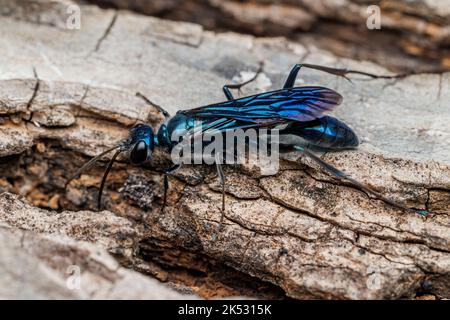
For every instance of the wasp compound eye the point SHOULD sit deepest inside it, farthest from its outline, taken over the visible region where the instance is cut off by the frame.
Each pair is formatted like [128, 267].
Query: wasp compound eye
[139, 153]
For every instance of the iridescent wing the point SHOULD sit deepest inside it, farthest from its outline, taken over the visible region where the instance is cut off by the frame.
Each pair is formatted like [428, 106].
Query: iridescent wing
[212, 126]
[295, 104]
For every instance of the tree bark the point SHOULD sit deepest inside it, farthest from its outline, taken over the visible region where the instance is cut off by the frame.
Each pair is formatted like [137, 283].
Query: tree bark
[66, 95]
[411, 36]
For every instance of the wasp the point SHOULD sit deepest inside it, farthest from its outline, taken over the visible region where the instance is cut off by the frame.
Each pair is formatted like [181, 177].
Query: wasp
[301, 111]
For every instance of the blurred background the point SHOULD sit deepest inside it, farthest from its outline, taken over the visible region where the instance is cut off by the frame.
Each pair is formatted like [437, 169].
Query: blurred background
[414, 34]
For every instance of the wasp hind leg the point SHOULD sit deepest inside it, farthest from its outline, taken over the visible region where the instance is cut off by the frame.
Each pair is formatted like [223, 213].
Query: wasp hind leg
[289, 83]
[226, 88]
[340, 72]
[342, 175]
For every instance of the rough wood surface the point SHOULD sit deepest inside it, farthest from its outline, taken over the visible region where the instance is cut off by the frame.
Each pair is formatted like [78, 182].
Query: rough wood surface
[69, 94]
[40, 264]
[414, 35]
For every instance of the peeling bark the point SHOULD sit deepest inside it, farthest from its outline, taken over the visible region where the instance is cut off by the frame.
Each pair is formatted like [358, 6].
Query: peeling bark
[299, 233]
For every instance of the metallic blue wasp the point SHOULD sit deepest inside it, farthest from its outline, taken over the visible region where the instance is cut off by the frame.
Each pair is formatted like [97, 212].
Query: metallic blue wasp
[300, 109]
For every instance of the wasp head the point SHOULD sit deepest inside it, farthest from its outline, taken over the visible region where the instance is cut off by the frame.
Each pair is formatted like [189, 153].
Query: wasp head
[141, 143]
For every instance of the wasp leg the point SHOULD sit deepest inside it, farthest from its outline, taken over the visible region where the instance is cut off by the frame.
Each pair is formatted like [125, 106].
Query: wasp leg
[336, 71]
[344, 72]
[221, 177]
[289, 83]
[168, 172]
[226, 88]
[342, 175]
[228, 94]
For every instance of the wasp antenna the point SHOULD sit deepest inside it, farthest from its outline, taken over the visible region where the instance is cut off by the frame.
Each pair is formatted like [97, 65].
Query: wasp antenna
[105, 175]
[89, 164]
[160, 109]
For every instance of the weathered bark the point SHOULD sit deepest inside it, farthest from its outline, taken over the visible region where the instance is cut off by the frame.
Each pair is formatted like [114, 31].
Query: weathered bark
[69, 94]
[39, 266]
[413, 36]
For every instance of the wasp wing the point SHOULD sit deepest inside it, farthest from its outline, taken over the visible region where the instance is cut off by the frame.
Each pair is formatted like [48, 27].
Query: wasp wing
[215, 126]
[294, 104]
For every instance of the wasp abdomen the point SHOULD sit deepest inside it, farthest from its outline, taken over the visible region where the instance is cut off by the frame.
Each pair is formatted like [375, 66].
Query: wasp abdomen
[326, 132]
